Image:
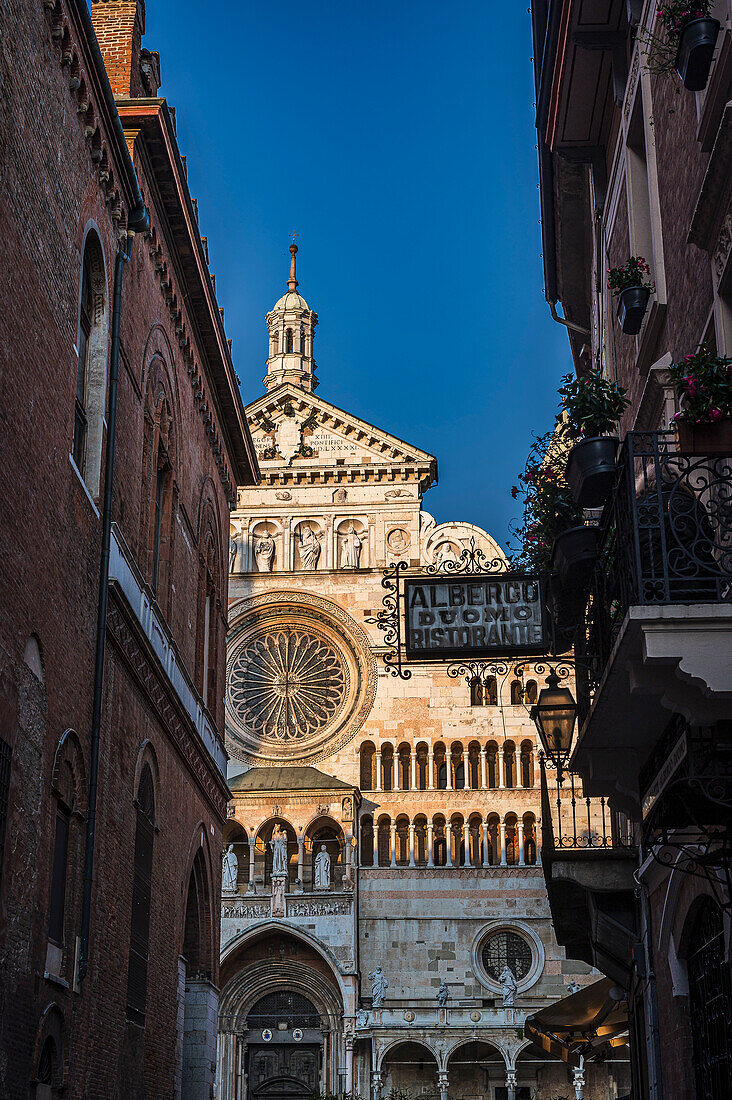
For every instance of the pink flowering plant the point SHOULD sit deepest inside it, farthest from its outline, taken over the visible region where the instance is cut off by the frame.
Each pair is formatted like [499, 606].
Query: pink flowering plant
[673, 15]
[635, 272]
[593, 404]
[703, 384]
[549, 508]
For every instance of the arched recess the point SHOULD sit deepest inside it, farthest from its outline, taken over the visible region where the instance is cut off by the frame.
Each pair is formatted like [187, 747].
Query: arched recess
[49, 1057]
[68, 807]
[470, 1062]
[324, 831]
[159, 488]
[211, 618]
[408, 1067]
[90, 400]
[263, 858]
[197, 972]
[279, 962]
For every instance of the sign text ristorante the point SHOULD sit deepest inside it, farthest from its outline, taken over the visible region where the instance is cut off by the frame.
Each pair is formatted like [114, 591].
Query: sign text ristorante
[475, 616]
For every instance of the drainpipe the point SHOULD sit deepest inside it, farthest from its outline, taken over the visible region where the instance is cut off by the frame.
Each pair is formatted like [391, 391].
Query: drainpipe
[655, 1079]
[123, 254]
[563, 321]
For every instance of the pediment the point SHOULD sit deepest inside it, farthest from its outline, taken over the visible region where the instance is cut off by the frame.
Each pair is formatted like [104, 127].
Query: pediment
[296, 430]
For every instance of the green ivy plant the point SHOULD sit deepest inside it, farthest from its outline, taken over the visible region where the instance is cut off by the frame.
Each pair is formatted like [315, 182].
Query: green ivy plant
[593, 404]
[703, 384]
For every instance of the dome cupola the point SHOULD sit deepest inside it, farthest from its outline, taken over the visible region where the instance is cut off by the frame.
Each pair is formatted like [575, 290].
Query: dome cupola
[291, 325]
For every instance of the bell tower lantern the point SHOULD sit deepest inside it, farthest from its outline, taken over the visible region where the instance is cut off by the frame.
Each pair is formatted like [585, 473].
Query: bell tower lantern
[291, 325]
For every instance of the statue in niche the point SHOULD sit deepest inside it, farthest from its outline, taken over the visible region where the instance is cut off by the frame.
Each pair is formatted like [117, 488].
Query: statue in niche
[278, 844]
[509, 987]
[445, 552]
[442, 994]
[264, 552]
[234, 542]
[347, 809]
[309, 546]
[230, 871]
[278, 896]
[379, 986]
[322, 869]
[351, 549]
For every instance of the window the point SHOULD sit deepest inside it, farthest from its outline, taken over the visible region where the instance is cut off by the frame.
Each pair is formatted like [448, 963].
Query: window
[710, 997]
[504, 948]
[58, 877]
[141, 895]
[516, 693]
[288, 341]
[158, 486]
[484, 693]
[91, 367]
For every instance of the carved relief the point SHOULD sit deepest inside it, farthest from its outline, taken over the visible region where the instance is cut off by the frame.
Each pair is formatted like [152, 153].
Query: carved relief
[395, 494]
[398, 541]
[340, 496]
[339, 907]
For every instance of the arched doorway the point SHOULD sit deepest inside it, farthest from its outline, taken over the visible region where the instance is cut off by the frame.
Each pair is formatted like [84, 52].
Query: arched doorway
[285, 1064]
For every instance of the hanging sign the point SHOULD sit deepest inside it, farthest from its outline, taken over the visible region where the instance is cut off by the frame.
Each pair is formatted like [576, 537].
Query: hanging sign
[476, 615]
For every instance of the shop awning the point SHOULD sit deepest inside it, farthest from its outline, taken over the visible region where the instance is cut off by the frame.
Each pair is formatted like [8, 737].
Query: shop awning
[583, 1024]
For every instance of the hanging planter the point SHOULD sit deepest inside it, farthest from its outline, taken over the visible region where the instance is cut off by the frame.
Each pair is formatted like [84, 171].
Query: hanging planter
[703, 384]
[591, 470]
[695, 52]
[573, 556]
[632, 305]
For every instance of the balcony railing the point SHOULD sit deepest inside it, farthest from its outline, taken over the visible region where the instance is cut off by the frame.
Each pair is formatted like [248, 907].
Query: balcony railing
[571, 821]
[665, 538]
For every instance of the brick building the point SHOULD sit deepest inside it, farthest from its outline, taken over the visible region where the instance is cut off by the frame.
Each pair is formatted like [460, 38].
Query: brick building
[112, 764]
[635, 162]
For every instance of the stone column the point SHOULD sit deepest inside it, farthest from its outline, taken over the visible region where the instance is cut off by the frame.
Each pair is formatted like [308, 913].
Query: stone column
[251, 888]
[535, 754]
[430, 856]
[511, 1084]
[501, 773]
[442, 1083]
[349, 1064]
[518, 761]
[502, 831]
[349, 838]
[411, 844]
[300, 856]
[466, 844]
[520, 831]
[483, 772]
[379, 772]
[375, 1085]
[393, 861]
[396, 764]
[448, 770]
[579, 1081]
[466, 770]
[430, 769]
[448, 844]
[485, 861]
[414, 784]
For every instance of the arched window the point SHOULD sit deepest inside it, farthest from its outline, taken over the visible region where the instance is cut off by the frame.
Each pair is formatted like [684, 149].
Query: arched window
[158, 486]
[530, 692]
[710, 1001]
[91, 366]
[288, 340]
[367, 841]
[141, 895]
[209, 620]
[484, 693]
[67, 784]
[516, 693]
[48, 1074]
[367, 766]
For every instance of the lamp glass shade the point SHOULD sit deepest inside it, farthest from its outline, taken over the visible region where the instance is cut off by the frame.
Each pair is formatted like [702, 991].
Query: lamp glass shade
[555, 714]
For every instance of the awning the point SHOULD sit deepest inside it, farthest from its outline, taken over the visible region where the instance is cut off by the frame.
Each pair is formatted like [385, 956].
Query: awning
[582, 1025]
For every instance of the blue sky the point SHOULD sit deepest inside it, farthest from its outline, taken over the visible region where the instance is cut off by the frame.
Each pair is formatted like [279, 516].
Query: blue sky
[397, 138]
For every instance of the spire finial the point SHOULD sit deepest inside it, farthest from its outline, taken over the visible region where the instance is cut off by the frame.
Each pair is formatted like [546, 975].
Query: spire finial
[292, 281]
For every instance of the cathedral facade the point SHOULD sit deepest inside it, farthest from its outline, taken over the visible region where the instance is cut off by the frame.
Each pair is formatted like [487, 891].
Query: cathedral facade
[384, 916]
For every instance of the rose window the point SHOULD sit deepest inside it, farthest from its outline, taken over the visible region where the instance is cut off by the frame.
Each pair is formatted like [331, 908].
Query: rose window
[503, 949]
[286, 684]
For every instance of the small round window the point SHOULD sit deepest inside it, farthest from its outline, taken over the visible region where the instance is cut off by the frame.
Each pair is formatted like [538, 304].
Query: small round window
[501, 949]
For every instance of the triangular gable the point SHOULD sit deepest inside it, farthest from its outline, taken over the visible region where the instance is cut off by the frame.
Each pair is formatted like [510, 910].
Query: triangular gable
[298, 430]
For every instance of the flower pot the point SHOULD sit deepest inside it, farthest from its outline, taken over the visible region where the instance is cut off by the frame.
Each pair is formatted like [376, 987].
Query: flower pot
[709, 438]
[573, 556]
[632, 304]
[695, 52]
[590, 470]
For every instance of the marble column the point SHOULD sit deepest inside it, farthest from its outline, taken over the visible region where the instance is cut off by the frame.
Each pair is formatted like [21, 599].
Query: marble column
[501, 772]
[518, 760]
[396, 763]
[466, 770]
[251, 887]
[579, 1081]
[442, 1083]
[502, 831]
[535, 754]
[349, 838]
[483, 771]
[411, 844]
[375, 1085]
[466, 844]
[393, 861]
[520, 831]
[349, 1065]
[379, 771]
[430, 850]
[448, 844]
[486, 849]
[511, 1084]
[300, 856]
[414, 784]
[448, 770]
[430, 769]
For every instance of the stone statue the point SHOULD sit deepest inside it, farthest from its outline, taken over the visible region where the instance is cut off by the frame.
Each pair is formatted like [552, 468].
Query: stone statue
[278, 844]
[309, 548]
[278, 896]
[379, 986]
[509, 987]
[574, 987]
[264, 552]
[362, 1019]
[442, 994]
[340, 496]
[322, 869]
[444, 553]
[351, 550]
[230, 871]
[233, 550]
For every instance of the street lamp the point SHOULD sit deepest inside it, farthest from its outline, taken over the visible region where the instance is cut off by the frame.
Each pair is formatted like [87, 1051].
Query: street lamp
[554, 716]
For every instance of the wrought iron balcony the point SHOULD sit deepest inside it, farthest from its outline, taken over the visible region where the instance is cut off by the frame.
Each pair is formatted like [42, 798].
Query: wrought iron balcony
[665, 539]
